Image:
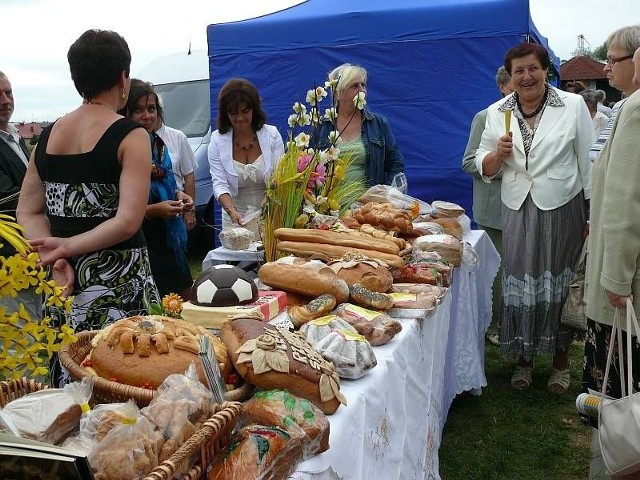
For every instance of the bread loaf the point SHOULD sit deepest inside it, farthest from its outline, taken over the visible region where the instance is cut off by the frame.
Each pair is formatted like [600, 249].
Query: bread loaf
[332, 252]
[272, 358]
[344, 239]
[360, 295]
[450, 226]
[258, 452]
[279, 408]
[301, 314]
[143, 350]
[372, 274]
[311, 279]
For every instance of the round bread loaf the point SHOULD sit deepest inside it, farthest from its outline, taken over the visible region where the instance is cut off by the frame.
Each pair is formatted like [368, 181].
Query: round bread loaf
[143, 350]
[356, 269]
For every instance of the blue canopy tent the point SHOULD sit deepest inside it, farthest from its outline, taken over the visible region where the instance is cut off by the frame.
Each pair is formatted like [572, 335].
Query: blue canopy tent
[431, 66]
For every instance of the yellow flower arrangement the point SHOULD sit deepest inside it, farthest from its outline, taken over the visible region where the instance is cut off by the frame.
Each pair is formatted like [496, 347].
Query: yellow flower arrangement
[308, 183]
[171, 306]
[27, 344]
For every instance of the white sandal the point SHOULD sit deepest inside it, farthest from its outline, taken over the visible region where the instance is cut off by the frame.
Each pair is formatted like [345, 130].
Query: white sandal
[522, 378]
[559, 381]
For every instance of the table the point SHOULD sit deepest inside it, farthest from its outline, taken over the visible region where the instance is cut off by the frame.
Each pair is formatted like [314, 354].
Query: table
[224, 255]
[392, 426]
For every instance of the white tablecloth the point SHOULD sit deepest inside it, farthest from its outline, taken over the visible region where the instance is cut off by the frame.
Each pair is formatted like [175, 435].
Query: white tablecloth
[223, 255]
[392, 426]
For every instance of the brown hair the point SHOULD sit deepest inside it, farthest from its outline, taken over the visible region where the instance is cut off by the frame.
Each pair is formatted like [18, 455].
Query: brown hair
[235, 93]
[525, 49]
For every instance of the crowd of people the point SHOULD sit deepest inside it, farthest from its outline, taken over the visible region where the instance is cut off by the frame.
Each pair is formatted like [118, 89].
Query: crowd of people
[107, 196]
[565, 171]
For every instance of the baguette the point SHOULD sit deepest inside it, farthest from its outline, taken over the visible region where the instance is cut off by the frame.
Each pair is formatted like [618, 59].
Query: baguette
[331, 252]
[343, 239]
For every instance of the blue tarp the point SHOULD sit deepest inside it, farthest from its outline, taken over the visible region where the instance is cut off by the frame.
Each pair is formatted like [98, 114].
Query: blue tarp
[431, 66]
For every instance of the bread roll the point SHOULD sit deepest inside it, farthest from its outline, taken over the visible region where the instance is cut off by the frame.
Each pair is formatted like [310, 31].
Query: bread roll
[301, 314]
[369, 273]
[311, 279]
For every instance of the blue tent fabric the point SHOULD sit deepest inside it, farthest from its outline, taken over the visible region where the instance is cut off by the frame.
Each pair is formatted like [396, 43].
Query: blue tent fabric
[431, 66]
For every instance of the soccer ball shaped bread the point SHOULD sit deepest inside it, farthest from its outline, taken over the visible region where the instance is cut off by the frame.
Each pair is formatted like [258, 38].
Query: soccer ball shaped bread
[223, 286]
[143, 350]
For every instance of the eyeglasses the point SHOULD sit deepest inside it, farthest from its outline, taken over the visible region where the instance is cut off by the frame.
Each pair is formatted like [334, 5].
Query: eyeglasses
[612, 61]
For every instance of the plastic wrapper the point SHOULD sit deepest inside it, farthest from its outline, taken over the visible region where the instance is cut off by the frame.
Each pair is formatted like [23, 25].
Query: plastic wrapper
[49, 415]
[94, 426]
[280, 408]
[236, 238]
[390, 194]
[470, 257]
[182, 404]
[441, 208]
[340, 343]
[377, 327]
[258, 452]
[448, 246]
[417, 273]
[129, 450]
[251, 221]
[429, 228]
[436, 290]
[435, 261]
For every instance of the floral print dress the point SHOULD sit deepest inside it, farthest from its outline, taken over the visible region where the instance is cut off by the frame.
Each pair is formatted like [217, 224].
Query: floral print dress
[81, 193]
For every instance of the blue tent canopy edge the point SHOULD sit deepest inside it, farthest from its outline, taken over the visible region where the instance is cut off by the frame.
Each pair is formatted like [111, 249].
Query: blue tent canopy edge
[431, 66]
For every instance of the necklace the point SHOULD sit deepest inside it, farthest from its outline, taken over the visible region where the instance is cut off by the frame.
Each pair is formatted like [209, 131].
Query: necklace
[99, 103]
[247, 146]
[537, 110]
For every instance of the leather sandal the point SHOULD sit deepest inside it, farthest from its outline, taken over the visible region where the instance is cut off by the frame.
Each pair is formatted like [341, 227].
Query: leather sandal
[559, 381]
[521, 378]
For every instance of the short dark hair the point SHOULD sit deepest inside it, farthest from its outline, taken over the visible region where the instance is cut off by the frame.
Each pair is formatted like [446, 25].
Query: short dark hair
[96, 61]
[525, 49]
[139, 89]
[575, 86]
[234, 93]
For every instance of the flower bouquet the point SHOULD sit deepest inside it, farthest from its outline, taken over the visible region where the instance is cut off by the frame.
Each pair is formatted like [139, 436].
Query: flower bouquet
[27, 344]
[308, 183]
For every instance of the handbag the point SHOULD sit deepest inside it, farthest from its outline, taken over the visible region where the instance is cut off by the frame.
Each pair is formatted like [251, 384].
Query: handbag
[618, 418]
[573, 311]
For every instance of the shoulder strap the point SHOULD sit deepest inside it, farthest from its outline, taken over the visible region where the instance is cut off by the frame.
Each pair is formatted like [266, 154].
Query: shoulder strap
[115, 134]
[41, 149]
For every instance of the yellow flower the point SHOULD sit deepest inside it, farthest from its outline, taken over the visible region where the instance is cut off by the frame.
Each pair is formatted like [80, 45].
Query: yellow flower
[172, 304]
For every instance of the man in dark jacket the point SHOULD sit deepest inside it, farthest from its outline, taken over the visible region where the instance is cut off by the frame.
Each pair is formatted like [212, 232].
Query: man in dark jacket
[14, 158]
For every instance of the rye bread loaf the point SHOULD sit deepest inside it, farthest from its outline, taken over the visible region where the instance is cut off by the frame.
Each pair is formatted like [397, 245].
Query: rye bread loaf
[273, 358]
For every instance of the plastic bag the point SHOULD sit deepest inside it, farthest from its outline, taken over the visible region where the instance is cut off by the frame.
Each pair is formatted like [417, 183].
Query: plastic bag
[182, 404]
[280, 408]
[251, 221]
[390, 194]
[129, 450]
[236, 238]
[377, 327]
[470, 258]
[340, 343]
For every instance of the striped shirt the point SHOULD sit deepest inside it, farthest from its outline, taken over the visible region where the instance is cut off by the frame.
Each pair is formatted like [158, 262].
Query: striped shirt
[606, 133]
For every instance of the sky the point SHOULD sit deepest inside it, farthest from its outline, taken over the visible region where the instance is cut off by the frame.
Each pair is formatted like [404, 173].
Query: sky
[37, 34]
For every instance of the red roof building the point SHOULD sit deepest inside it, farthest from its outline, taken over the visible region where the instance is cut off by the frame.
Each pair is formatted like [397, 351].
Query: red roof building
[590, 72]
[30, 130]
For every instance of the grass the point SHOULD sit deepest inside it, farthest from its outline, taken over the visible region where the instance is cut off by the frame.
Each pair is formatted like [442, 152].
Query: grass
[506, 434]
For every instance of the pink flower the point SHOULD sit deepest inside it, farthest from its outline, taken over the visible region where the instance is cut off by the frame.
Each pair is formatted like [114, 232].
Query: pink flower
[303, 162]
[318, 177]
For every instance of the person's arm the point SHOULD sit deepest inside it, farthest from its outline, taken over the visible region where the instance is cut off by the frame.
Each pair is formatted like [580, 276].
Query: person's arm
[219, 179]
[494, 148]
[621, 206]
[393, 159]
[135, 158]
[190, 190]
[30, 211]
[475, 135]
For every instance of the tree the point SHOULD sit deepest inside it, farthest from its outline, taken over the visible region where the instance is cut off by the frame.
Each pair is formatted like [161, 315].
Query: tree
[600, 53]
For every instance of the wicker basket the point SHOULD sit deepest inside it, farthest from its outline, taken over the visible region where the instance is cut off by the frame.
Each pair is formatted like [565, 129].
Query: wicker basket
[107, 391]
[206, 442]
[214, 434]
[12, 389]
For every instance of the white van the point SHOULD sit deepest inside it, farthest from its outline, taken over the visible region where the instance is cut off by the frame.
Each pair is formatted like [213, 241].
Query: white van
[182, 83]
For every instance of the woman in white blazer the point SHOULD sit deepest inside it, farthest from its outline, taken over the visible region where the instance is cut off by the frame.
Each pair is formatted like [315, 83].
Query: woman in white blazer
[545, 184]
[243, 151]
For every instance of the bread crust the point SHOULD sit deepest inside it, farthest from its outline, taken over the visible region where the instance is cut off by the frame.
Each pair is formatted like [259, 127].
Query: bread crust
[344, 239]
[332, 252]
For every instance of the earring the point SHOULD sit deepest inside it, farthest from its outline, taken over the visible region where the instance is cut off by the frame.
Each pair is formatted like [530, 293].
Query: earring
[124, 95]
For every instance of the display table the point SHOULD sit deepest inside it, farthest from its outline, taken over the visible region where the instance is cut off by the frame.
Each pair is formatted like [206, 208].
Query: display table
[224, 255]
[392, 426]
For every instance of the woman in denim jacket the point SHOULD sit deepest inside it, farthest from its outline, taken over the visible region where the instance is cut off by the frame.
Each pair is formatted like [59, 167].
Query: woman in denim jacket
[366, 136]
